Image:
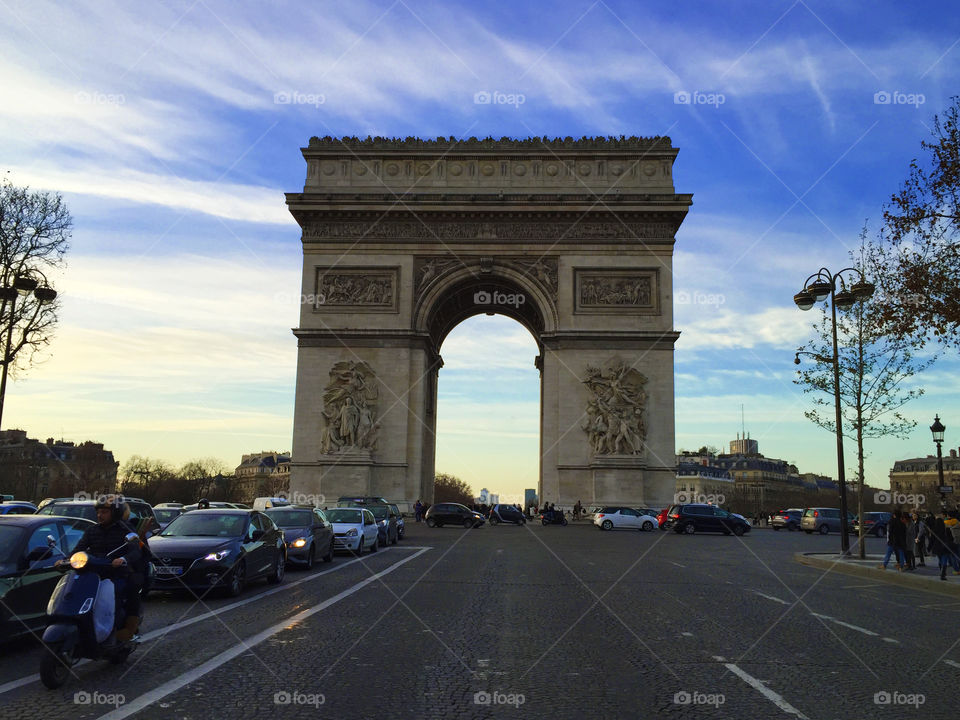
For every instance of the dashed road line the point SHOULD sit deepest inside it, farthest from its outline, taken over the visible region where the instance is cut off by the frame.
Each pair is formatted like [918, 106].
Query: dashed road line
[770, 597]
[854, 627]
[758, 685]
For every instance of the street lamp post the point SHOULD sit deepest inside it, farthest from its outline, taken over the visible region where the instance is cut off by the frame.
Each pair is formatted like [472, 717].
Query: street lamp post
[817, 287]
[938, 429]
[22, 285]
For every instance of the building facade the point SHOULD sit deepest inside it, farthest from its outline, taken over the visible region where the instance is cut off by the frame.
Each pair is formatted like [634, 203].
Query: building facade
[920, 476]
[263, 474]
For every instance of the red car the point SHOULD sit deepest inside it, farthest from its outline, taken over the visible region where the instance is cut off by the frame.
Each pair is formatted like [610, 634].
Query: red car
[662, 518]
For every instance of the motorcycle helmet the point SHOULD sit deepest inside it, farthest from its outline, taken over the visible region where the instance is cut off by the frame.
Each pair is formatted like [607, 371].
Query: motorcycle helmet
[203, 504]
[117, 507]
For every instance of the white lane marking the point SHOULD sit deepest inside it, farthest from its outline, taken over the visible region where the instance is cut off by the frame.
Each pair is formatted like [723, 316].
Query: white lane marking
[149, 698]
[952, 663]
[854, 627]
[160, 632]
[758, 685]
[677, 564]
[687, 634]
[770, 597]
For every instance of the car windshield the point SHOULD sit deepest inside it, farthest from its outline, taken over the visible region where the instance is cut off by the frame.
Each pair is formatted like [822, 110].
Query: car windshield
[87, 512]
[380, 512]
[165, 515]
[9, 542]
[291, 518]
[342, 515]
[206, 524]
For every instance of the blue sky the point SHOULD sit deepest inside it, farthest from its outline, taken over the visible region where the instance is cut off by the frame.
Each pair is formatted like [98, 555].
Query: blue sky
[159, 125]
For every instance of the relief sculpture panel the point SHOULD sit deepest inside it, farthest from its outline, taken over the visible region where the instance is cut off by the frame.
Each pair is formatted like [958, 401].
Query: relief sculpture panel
[356, 289]
[617, 291]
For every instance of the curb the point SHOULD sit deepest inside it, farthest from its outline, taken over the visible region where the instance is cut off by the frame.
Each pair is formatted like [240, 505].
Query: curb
[934, 585]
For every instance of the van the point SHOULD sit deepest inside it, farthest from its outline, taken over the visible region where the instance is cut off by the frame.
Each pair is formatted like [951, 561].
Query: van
[823, 520]
[265, 503]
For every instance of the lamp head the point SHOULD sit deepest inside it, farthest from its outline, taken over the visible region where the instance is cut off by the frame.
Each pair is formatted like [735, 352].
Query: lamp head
[804, 300]
[937, 429]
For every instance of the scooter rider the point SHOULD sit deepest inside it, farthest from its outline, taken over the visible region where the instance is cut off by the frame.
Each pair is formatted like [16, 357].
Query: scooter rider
[108, 537]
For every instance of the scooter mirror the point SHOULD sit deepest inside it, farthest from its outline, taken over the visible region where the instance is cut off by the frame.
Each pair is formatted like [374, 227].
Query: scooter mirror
[132, 538]
[51, 541]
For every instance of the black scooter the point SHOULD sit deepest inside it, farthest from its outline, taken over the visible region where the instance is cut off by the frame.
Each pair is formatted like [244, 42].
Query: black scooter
[82, 613]
[553, 517]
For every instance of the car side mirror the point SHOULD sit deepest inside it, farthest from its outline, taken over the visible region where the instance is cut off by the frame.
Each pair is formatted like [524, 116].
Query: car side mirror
[257, 534]
[38, 554]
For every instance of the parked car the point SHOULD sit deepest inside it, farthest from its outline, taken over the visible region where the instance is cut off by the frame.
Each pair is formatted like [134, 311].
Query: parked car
[442, 514]
[662, 518]
[360, 500]
[354, 529]
[165, 515]
[401, 527]
[27, 575]
[386, 524]
[17, 507]
[168, 505]
[789, 519]
[307, 533]
[616, 517]
[700, 517]
[823, 520]
[506, 513]
[218, 548]
[874, 523]
[265, 503]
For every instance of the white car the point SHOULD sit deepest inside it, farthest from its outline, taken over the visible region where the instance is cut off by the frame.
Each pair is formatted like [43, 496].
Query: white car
[354, 529]
[616, 517]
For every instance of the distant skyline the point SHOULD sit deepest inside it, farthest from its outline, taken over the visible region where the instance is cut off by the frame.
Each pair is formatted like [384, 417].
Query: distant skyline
[173, 130]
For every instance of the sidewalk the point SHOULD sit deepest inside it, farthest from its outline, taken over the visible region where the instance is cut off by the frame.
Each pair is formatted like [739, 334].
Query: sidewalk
[923, 578]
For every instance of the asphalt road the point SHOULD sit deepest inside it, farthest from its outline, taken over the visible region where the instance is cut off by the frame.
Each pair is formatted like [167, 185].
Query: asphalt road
[533, 622]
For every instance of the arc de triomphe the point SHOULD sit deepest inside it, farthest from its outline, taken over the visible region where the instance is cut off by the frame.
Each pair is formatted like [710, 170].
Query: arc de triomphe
[404, 239]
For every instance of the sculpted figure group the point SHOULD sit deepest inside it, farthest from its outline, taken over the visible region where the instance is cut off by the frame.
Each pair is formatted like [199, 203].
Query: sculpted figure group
[349, 408]
[615, 424]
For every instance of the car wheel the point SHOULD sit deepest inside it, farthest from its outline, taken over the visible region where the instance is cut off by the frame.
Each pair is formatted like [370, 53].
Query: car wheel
[563, 522]
[376, 545]
[738, 530]
[606, 525]
[395, 538]
[279, 568]
[689, 529]
[647, 526]
[494, 520]
[329, 556]
[467, 524]
[809, 532]
[431, 523]
[775, 527]
[237, 579]
[310, 558]
[791, 527]
[823, 529]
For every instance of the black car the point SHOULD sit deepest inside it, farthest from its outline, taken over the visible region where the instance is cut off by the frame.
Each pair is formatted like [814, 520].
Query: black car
[307, 533]
[699, 517]
[387, 531]
[506, 513]
[874, 523]
[453, 514]
[204, 549]
[27, 575]
[401, 526]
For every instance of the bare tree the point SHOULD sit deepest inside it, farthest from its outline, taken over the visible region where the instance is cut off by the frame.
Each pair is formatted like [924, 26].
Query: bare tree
[447, 488]
[34, 236]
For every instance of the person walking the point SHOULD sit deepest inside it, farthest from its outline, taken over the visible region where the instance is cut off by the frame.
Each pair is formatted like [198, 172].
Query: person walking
[911, 527]
[940, 544]
[952, 523]
[418, 510]
[922, 533]
[896, 540]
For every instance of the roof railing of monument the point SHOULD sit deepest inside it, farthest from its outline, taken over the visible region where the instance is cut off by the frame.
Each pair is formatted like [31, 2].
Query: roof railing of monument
[505, 143]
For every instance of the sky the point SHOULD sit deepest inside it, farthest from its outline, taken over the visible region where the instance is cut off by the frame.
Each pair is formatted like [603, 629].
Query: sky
[165, 128]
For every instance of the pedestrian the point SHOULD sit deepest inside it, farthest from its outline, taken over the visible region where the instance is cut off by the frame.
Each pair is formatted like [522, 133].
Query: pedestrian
[912, 527]
[940, 544]
[896, 541]
[952, 523]
[418, 510]
[921, 533]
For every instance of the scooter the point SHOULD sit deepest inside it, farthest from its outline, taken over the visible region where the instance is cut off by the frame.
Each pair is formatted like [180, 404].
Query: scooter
[553, 517]
[83, 622]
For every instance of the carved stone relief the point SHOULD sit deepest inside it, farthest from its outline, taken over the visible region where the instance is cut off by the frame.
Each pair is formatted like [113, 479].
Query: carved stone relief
[541, 270]
[370, 289]
[553, 231]
[630, 291]
[350, 408]
[615, 411]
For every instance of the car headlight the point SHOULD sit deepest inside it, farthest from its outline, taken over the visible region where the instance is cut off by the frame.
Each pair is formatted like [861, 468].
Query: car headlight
[217, 556]
[78, 560]
[352, 532]
[299, 542]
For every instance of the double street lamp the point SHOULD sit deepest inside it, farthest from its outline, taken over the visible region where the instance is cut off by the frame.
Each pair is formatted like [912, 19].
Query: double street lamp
[853, 289]
[23, 285]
